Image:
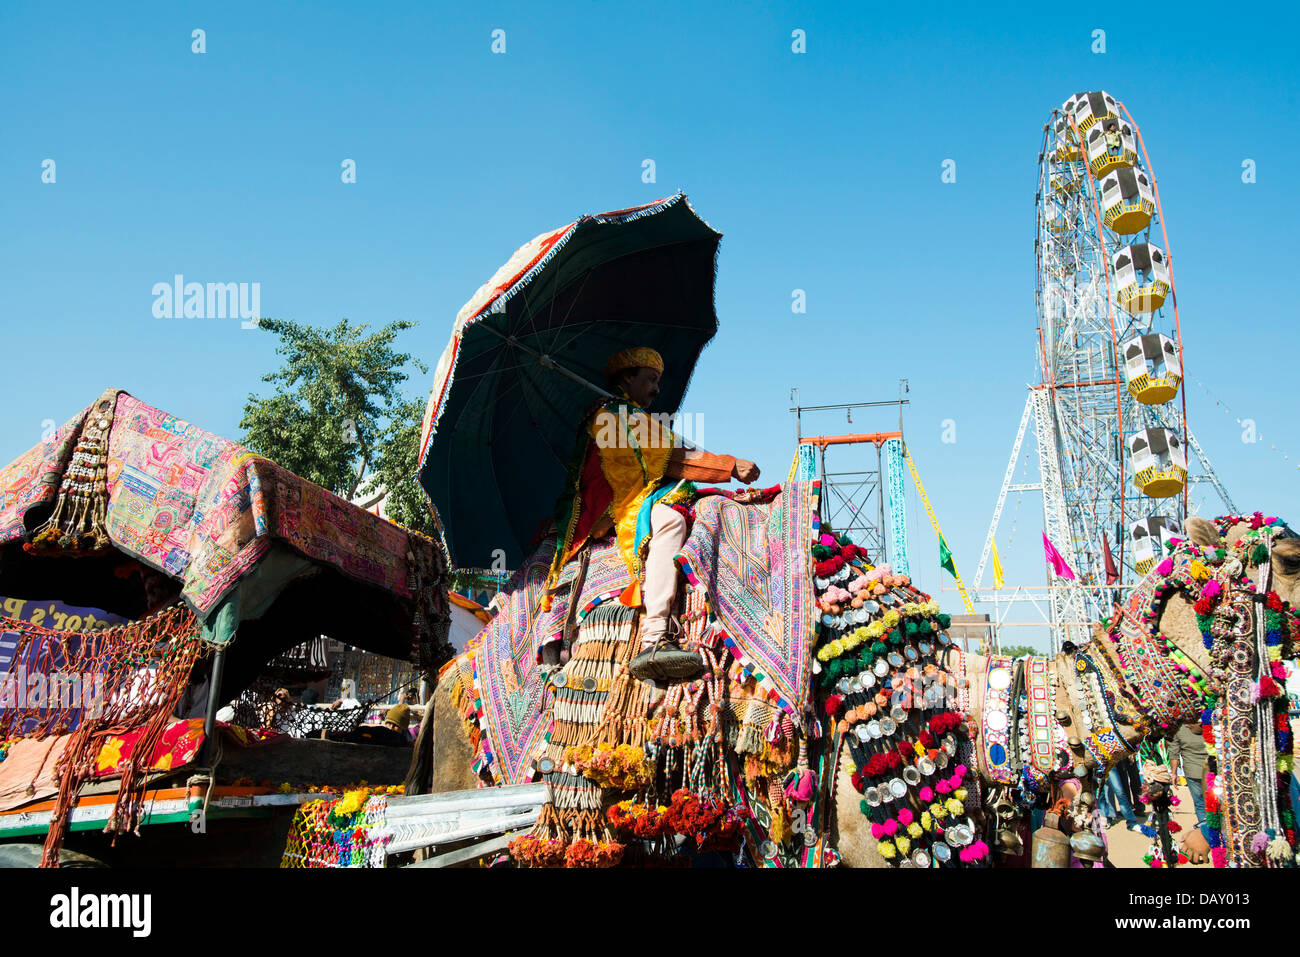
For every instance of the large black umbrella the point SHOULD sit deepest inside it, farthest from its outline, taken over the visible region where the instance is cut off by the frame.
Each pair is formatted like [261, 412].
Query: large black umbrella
[526, 360]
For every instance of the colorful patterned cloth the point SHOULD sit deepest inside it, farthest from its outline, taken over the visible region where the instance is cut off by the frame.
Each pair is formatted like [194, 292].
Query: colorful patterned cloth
[754, 562]
[21, 481]
[508, 688]
[499, 668]
[205, 510]
[178, 746]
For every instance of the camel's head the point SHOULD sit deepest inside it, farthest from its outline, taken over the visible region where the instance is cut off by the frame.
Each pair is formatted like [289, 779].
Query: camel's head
[1286, 555]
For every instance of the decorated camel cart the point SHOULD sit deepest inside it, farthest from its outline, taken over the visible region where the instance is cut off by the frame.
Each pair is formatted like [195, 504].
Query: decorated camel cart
[159, 567]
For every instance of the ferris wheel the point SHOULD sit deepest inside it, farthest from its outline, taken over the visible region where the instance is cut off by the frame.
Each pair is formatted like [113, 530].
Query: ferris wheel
[1108, 412]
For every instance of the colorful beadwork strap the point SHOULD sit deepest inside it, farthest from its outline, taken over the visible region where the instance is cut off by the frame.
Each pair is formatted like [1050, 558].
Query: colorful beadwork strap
[1041, 714]
[995, 722]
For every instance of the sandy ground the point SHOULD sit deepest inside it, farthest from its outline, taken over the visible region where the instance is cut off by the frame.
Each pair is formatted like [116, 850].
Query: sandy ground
[1128, 847]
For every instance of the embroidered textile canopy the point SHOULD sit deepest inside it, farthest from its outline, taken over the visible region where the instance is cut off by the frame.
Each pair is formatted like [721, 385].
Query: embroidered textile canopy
[508, 394]
[245, 538]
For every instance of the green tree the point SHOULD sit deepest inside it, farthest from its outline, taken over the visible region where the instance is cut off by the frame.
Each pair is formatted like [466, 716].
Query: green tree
[338, 416]
[1019, 651]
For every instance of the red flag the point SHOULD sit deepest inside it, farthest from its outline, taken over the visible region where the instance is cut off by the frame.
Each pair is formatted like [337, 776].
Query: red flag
[1112, 573]
[1056, 561]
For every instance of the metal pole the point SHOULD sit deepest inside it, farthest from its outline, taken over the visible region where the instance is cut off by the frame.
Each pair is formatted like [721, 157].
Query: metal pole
[214, 704]
[880, 502]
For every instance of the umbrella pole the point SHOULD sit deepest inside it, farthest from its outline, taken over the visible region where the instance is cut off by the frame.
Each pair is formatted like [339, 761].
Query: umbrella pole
[548, 363]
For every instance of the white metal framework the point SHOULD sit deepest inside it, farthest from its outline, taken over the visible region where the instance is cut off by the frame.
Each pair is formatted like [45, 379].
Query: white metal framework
[1109, 417]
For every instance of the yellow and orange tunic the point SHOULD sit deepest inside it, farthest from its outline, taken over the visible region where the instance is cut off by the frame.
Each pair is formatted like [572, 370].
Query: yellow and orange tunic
[624, 463]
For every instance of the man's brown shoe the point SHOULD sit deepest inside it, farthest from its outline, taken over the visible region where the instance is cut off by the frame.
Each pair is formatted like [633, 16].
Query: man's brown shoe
[665, 661]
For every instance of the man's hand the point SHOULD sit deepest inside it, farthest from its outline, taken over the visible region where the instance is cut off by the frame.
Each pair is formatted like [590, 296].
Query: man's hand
[745, 472]
[1196, 847]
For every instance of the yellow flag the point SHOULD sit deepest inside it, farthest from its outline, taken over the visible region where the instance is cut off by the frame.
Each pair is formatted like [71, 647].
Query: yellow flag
[998, 581]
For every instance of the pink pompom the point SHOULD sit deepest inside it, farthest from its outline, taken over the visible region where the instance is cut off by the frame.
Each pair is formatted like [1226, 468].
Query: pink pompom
[891, 827]
[1279, 673]
[927, 795]
[1211, 589]
[877, 831]
[943, 787]
[979, 850]
[905, 817]
[1219, 856]
[959, 772]
[1165, 568]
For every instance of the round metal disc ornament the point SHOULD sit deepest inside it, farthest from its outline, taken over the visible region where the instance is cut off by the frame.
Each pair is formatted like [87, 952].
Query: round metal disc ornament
[855, 685]
[888, 726]
[589, 684]
[768, 849]
[881, 667]
[862, 732]
[941, 853]
[896, 659]
[873, 728]
[926, 648]
[941, 760]
[560, 679]
[912, 776]
[871, 606]
[868, 680]
[860, 615]
[943, 638]
[821, 584]
[843, 685]
[949, 746]
[898, 713]
[920, 859]
[925, 766]
[828, 620]
[912, 653]
[872, 796]
[897, 788]
[886, 599]
[545, 765]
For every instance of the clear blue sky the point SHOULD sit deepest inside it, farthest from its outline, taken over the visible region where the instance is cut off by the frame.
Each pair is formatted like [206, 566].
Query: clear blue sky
[822, 171]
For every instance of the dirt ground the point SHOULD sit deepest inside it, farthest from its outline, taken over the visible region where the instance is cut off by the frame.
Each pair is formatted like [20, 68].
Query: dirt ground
[1128, 847]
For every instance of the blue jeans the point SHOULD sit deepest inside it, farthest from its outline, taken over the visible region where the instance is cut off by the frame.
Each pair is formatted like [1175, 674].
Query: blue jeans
[1197, 787]
[1114, 793]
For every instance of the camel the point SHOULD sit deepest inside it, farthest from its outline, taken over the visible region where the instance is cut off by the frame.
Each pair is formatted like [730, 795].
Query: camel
[452, 757]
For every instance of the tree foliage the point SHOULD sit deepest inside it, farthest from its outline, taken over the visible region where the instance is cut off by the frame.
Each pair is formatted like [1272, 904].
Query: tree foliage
[338, 416]
[1019, 651]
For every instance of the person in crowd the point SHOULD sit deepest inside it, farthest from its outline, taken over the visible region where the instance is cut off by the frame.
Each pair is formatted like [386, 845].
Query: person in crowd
[1188, 746]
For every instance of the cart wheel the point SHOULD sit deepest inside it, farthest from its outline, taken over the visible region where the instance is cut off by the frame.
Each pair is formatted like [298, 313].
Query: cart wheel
[29, 856]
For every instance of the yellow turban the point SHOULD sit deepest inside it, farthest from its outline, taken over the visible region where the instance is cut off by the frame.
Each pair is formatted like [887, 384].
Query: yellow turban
[642, 357]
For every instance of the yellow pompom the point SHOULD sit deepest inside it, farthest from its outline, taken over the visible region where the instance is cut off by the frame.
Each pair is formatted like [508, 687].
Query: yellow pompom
[927, 821]
[904, 845]
[938, 811]
[886, 849]
[1199, 571]
[914, 829]
[954, 806]
[960, 794]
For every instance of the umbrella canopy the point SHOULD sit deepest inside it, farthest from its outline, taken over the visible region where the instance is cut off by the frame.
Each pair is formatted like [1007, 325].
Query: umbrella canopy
[503, 414]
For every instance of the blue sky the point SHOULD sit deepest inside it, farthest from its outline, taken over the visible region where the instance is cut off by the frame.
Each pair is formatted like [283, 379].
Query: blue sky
[822, 170]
